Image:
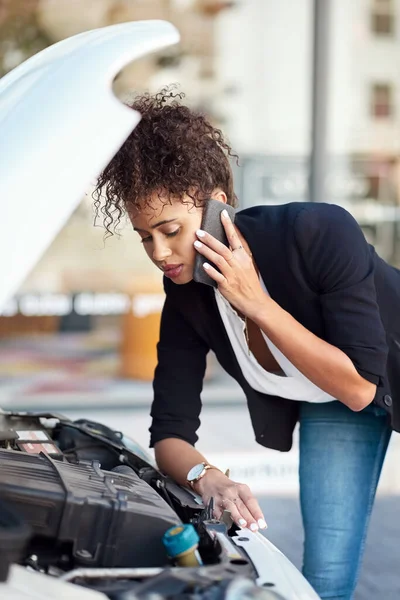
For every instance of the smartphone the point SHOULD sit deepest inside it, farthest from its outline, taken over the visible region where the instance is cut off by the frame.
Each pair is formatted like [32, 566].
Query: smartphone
[211, 223]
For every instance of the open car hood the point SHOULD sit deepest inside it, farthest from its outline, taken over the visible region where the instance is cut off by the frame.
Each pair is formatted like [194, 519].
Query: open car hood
[60, 124]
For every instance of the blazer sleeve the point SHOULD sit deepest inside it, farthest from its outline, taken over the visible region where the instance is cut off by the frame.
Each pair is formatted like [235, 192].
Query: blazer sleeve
[340, 266]
[178, 379]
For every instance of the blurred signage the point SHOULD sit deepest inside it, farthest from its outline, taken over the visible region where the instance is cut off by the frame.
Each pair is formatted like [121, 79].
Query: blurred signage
[85, 303]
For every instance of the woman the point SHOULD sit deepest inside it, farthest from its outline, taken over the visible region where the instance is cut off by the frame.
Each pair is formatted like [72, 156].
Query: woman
[305, 318]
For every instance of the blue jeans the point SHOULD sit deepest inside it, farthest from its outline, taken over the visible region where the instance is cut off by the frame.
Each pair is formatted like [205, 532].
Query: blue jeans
[341, 457]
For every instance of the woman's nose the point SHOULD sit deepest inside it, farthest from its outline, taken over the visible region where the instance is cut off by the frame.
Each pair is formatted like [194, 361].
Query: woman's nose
[161, 252]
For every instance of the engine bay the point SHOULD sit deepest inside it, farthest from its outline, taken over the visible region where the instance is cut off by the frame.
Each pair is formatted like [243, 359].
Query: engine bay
[89, 507]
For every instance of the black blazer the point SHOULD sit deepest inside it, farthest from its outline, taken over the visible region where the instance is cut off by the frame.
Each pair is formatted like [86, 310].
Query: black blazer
[316, 265]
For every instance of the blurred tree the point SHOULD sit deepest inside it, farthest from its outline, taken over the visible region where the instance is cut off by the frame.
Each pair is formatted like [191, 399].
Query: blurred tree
[20, 34]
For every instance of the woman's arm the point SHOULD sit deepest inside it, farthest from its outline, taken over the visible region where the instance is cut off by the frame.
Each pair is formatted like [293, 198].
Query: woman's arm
[176, 457]
[325, 365]
[178, 378]
[176, 409]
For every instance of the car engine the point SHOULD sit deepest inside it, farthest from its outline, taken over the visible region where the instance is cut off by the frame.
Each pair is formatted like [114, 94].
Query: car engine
[83, 504]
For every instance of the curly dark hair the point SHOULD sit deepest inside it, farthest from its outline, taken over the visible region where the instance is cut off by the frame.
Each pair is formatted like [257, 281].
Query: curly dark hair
[173, 150]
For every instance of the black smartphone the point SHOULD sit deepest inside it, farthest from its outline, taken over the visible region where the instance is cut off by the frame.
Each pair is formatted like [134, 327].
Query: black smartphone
[211, 223]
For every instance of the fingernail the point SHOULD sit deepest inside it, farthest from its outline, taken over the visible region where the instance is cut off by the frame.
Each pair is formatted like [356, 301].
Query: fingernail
[253, 527]
[200, 233]
[225, 214]
[242, 523]
[206, 266]
[262, 524]
[198, 244]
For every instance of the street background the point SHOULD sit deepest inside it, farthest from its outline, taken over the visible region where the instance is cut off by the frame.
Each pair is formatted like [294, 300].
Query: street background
[308, 93]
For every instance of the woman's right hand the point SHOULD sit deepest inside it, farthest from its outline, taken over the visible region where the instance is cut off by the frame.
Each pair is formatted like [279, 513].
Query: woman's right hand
[233, 497]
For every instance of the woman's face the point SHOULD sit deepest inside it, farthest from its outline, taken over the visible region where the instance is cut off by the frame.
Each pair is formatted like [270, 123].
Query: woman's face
[168, 231]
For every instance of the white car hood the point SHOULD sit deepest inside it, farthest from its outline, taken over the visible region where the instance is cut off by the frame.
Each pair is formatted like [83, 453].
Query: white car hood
[60, 124]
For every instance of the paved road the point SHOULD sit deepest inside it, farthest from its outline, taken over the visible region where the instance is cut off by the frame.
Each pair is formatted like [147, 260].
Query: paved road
[380, 575]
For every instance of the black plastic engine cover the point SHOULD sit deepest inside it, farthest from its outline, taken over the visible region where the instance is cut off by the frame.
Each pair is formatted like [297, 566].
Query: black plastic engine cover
[110, 520]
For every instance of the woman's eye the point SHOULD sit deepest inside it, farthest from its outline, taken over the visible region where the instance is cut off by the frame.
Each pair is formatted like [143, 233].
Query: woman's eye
[147, 239]
[172, 234]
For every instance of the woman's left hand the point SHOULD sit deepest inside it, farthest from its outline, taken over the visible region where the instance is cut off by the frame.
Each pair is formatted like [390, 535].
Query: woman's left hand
[237, 280]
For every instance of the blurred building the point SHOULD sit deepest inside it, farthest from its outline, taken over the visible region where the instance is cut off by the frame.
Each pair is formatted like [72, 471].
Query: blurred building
[264, 64]
[264, 67]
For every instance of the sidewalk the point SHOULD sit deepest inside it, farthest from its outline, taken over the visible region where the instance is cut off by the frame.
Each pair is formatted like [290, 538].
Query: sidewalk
[71, 370]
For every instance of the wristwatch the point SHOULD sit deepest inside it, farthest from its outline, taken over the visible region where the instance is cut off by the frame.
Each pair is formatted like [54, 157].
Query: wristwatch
[197, 472]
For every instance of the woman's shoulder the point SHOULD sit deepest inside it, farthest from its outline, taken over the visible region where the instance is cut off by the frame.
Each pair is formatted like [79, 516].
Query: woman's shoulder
[290, 210]
[295, 216]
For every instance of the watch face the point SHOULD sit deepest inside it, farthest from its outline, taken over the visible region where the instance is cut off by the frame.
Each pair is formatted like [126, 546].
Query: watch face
[195, 472]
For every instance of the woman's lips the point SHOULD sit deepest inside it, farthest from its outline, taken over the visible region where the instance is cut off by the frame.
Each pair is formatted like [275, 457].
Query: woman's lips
[173, 271]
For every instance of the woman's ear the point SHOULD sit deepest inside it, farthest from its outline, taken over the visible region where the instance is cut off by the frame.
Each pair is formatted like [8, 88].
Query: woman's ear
[219, 195]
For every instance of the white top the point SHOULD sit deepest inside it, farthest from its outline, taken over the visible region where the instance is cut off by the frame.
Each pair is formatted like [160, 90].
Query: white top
[290, 384]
